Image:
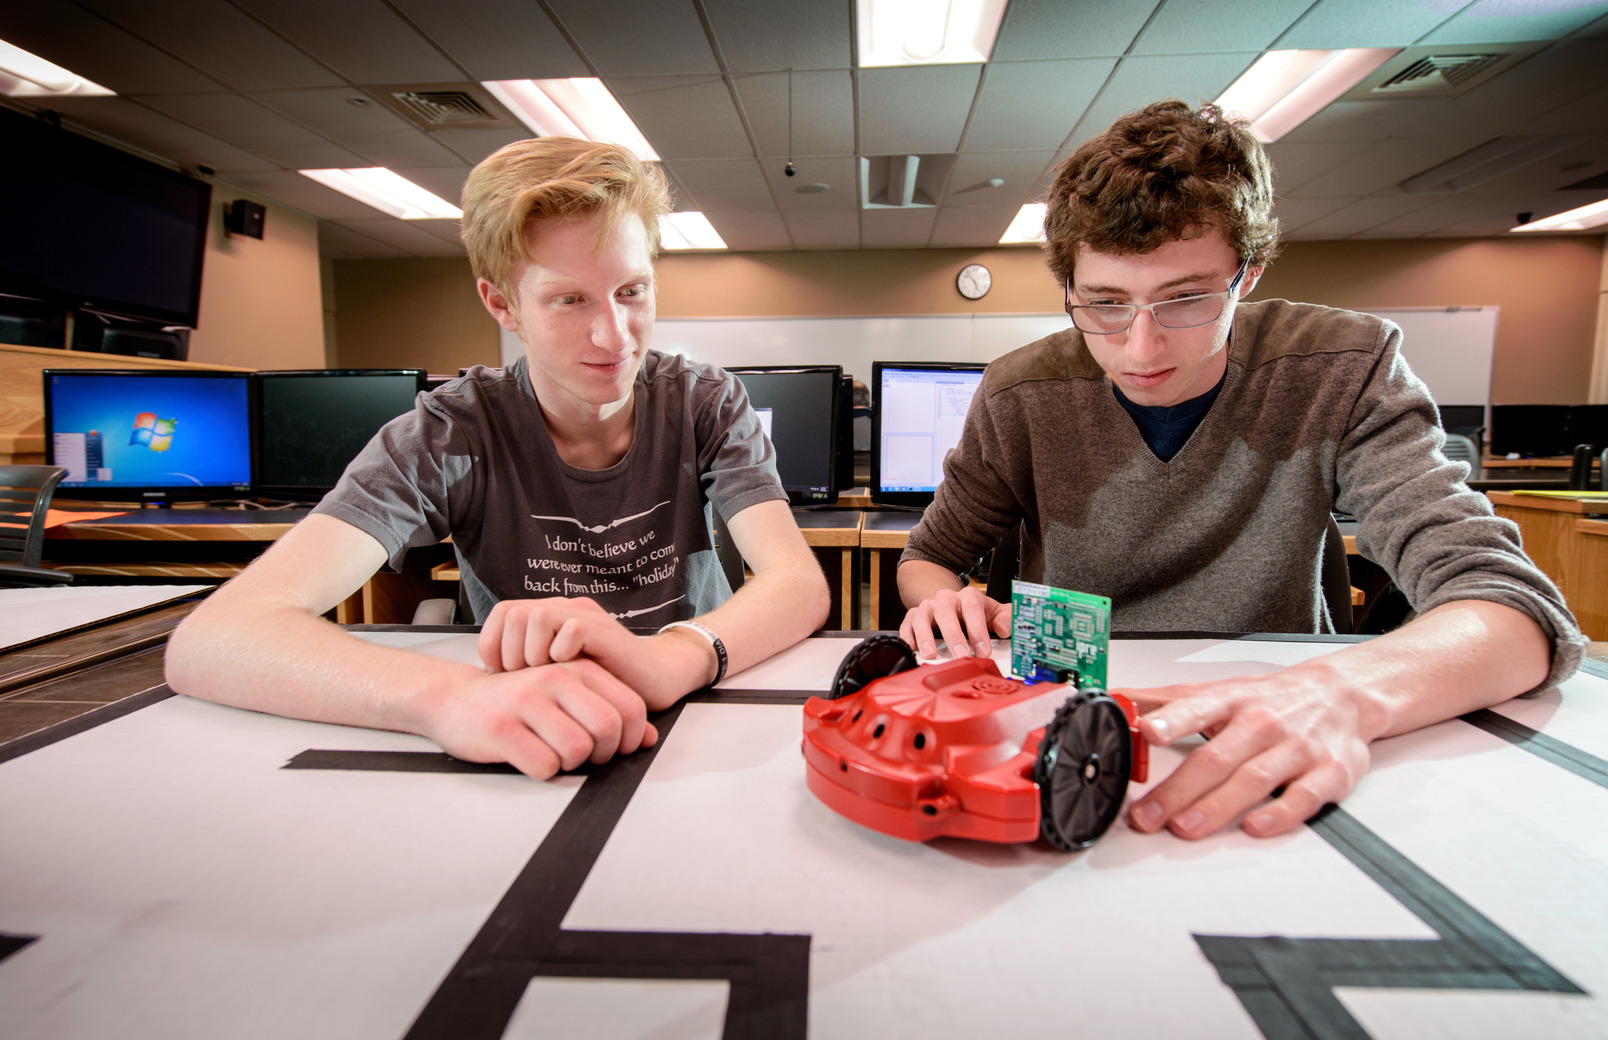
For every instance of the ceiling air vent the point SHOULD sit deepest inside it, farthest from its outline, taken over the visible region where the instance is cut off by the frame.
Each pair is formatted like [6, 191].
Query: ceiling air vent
[1437, 73]
[443, 106]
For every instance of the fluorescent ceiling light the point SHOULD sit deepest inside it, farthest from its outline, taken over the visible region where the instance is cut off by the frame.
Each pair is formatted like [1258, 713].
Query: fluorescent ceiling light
[386, 191]
[1579, 219]
[28, 75]
[581, 107]
[1028, 226]
[927, 32]
[689, 231]
[1286, 88]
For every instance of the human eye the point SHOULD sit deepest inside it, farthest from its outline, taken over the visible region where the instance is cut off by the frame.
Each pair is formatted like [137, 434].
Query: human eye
[632, 291]
[567, 299]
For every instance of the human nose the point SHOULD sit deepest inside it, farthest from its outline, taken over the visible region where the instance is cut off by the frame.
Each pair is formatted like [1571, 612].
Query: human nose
[1145, 336]
[609, 328]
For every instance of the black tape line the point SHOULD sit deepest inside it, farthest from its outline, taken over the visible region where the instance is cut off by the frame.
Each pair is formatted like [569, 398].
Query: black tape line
[81, 723]
[768, 975]
[1566, 756]
[392, 762]
[1286, 985]
[733, 696]
[10, 944]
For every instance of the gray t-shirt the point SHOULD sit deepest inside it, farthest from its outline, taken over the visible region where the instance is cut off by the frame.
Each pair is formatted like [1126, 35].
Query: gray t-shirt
[474, 460]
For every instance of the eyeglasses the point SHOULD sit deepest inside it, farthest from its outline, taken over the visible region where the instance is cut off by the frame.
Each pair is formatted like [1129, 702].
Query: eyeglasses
[1188, 312]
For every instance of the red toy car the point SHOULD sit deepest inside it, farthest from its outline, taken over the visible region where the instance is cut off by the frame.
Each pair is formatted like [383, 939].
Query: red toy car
[957, 749]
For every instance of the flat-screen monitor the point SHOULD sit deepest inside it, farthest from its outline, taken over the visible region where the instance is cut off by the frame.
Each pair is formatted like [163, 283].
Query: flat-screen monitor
[311, 424]
[149, 436]
[88, 225]
[798, 407]
[1466, 419]
[918, 409]
[1544, 430]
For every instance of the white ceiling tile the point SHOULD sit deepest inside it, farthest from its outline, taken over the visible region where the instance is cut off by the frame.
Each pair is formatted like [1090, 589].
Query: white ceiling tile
[1365, 23]
[1033, 104]
[1361, 121]
[220, 40]
[1057, 29]
[684, 117]
[1383, 165]
[340, 242]
[1143, 80]
[316, 155]
[1293, 214]
[839, 172]
[971, 225]
[915, 110]
[758, 231]
[330, 111]
[93, 47]
[363, 40]
[800, 34]
[1364, 213]
[400, 148]
[128, 120]
[443, 181]
[724, 184]
[474, 145]
[1295, 163]
[235, 118]
[1191, 27]
[822, 116]
[835, 230]
[497, 39]
[968, 181]
[897, 228]
[300, 192]
[404, 235]
[637, 37]
[1513, 21]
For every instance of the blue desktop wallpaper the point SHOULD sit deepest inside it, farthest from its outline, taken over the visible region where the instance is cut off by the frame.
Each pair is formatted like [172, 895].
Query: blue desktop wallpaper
[158, 431]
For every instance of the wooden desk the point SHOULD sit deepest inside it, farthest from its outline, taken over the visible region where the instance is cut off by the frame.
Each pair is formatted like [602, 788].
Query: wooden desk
[1569, 547]
[379, 887]
[884, 536]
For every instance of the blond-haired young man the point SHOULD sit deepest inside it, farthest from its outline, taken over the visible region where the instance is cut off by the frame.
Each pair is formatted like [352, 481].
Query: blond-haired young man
[1181, 451]
[574, 485]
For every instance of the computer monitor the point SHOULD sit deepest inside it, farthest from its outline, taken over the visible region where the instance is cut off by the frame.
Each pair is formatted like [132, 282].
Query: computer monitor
[798, 407]
[149, 436]
[918, 409]
[312, 424]
[1545, 430]
[1466, 419]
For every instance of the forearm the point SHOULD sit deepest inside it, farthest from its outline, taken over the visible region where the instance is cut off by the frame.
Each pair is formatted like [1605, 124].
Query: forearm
[273, 656]
[774, 609]
[920, 580]
[1457, 658]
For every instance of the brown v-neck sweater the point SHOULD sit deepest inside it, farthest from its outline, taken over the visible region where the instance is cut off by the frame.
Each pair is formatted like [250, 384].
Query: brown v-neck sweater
[1318, 411]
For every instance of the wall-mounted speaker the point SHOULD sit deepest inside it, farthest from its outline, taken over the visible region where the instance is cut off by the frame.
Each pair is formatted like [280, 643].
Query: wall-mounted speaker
[244, 217]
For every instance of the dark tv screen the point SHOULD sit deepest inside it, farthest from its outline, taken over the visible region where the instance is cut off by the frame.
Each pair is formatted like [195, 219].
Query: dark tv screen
[799, 409]
[91, 226]
[149, 436]
[313, 423]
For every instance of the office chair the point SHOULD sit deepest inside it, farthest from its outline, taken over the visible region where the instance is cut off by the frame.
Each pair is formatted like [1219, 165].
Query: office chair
[1336, 578]
[25, 493]
[1459, 448]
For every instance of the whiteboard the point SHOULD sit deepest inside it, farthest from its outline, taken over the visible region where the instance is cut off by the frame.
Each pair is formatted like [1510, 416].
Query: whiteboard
[1450, 348]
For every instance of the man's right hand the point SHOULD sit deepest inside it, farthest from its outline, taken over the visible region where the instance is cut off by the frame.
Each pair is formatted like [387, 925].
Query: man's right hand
[965, 619]
[543, 720]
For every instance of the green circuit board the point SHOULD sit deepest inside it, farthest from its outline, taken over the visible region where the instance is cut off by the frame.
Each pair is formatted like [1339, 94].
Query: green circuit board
[1058, 635]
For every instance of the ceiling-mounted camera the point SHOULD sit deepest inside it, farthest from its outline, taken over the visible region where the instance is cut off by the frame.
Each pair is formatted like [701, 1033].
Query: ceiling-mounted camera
[790, 170]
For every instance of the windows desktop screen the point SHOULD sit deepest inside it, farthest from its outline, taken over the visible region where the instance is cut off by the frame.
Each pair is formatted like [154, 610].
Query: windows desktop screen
[121, 431]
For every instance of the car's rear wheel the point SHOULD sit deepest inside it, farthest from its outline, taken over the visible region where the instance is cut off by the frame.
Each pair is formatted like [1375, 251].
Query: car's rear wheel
[1082, 770]
[872, 659]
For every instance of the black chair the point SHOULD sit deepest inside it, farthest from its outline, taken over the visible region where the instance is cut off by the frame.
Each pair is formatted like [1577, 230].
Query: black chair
[24, 498]
[1336, 573]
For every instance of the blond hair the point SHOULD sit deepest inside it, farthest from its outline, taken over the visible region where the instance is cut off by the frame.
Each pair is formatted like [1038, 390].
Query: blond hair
[553, 177]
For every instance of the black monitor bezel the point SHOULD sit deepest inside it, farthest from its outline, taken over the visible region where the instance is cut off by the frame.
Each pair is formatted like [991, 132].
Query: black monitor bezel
[308, 492]
[919, 499]
[153, 494]
[795, 496]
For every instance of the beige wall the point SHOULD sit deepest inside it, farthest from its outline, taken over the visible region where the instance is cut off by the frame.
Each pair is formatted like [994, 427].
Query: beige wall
[1546, 286]
[411, 313]
[260, 299]
[424, 312]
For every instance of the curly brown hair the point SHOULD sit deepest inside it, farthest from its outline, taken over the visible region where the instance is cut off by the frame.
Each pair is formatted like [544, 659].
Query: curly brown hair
[1164, 173]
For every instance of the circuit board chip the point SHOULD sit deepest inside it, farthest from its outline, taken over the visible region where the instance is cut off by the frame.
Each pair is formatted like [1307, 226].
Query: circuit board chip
[1059, 636]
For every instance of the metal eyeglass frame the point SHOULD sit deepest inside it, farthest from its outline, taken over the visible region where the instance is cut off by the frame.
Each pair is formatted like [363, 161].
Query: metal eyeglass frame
[1134, 308]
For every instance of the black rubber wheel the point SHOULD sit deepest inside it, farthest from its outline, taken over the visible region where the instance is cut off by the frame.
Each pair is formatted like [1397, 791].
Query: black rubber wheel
[1082, 770]
[872, 659]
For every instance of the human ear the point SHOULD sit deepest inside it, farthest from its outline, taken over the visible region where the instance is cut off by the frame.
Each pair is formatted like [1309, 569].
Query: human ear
[1248, 283]
[498, 305]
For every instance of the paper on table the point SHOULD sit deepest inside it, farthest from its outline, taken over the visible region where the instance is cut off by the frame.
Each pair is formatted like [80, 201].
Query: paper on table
[29, 614]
